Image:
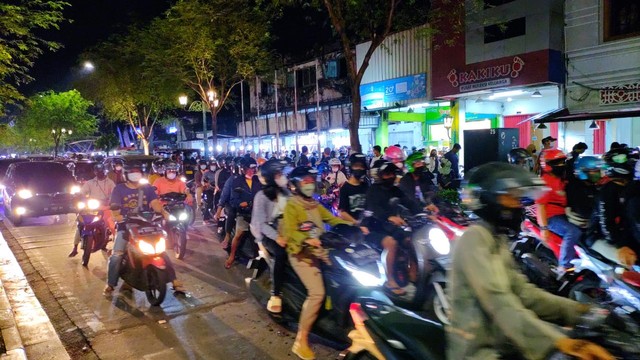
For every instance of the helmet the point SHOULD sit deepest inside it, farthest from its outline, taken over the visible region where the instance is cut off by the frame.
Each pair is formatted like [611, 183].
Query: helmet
[412, 159]
[387, 168]
[132, 168]
[248, 162]
[261, 161]
[375, 167]
[202, 162]
[270, 168]
[486, 182]
[323, 168]
[98, 167]
[394, 154]
[158, 166]
[618, 164]
[358, 158]
[518, 156]
[335, 162]
[551, 157]
[117, 161]
[171, 166]
[300, 173]
[586, 164]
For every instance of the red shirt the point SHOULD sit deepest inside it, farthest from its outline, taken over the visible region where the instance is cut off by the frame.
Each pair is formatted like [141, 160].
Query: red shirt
[554, 199]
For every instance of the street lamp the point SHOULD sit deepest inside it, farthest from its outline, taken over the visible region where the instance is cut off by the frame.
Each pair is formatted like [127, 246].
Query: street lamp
[88, 66]
[57, 135]
[448, 124]
[211, 95]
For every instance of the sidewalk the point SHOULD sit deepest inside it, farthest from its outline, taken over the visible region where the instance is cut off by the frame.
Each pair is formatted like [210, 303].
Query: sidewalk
[26, 329]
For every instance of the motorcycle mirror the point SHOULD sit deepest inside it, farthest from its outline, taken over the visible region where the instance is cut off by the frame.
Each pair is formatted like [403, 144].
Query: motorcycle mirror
[114, 207]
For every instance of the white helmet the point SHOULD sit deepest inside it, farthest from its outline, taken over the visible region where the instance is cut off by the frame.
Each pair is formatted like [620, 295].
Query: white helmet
[335, 162]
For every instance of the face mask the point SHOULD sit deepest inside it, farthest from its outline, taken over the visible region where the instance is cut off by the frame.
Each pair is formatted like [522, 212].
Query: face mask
[203, 167]
[282, 181]
[134, 177]
[118, 167]
[558, 171]
[101, 175]
[511, 218]
[335, 169]
[171, 176]
[419, 170]
[399, 165]
[307, 189]
[594, 177]
[212, 168]
[359, 173]
[388, 182]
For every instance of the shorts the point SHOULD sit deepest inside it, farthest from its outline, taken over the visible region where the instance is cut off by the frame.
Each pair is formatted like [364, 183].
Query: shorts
[230, 222]
[241, 224]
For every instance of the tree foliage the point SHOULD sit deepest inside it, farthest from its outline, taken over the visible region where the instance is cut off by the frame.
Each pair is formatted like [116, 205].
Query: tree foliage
[20, 44]
[210, 45]
[107, 142]
[126, 87]
[55, 111]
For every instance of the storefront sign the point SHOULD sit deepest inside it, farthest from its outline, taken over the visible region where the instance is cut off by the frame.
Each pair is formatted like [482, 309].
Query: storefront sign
[384, 93]
[624, 94]
[486, 77]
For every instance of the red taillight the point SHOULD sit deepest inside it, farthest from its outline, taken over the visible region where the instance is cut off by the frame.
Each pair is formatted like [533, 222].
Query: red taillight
[357, 314]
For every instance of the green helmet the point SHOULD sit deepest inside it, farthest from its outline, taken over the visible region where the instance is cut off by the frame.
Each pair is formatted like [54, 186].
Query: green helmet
[412, 159]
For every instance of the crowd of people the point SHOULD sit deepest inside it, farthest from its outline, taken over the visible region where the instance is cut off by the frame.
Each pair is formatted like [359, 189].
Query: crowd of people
[578, 197]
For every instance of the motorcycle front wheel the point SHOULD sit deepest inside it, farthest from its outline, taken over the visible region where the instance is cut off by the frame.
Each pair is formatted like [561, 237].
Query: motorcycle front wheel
[87, 242]
[180, 243]
[156, 285]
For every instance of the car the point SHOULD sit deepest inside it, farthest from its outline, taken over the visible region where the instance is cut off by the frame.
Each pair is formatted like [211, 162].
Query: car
[39, 188]
[145, 161]
[4, 165]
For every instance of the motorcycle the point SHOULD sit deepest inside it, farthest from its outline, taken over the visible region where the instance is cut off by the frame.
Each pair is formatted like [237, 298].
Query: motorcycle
[207, 207]
[331, 198]
[385, 331]
[352, 268]
[178, 222]
[143, 265]
[92, 228]
[248, 247]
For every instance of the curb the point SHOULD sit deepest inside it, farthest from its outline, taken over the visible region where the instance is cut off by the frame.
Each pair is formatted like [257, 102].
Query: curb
[23, 321]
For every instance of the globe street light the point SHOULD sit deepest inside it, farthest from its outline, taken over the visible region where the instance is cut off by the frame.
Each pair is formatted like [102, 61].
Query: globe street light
[88, 66]
[184, 100]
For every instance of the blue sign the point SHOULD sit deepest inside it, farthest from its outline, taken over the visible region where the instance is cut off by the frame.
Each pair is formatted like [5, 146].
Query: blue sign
[385, 93]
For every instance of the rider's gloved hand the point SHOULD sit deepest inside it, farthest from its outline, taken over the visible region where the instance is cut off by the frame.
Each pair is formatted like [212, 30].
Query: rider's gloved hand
[582, 349]
[627, 256]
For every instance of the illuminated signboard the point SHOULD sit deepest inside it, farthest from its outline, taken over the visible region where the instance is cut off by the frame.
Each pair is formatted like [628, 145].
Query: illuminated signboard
[385, 93]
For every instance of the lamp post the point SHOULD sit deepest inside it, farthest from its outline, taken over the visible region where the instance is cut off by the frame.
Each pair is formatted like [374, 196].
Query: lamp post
[57, 135]
[211, 95]
[448, 123]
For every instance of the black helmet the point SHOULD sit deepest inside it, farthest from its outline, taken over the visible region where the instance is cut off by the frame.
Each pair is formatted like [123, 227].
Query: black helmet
[98, 167]
[248, 162]
[171, 166]
[520, 157]
[359, 158]
[386, 168]
[158, 166]
[299, 173]
[269, 169]
[486, 182]
[133, 168]
[619, 165]
[117, 161]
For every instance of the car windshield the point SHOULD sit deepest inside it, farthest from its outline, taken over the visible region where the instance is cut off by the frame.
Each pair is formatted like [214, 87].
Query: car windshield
[4, 165]
[31, 176]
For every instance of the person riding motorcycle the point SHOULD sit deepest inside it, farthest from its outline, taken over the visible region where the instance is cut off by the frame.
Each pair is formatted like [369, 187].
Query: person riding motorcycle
[633, 203]
[384, 223]
[396, 156]
[520, 157]
[611, 219]
[125, 196]
[98, 188]
[336, 177]
[582, 190]
[158, 170]
[353, 194]
[551, 207]
[172, 183]
[208, 189]
[117, 171]
[268, 207]
[495, 312]
[203, 166]
[417, 183]
[244, 188]
[304, 249]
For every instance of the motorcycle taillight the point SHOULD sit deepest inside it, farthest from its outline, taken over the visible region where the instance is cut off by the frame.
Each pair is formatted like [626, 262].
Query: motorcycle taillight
[357, 314]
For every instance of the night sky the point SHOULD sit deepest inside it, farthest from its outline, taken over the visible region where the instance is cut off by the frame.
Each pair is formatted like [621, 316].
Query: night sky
[91, 22]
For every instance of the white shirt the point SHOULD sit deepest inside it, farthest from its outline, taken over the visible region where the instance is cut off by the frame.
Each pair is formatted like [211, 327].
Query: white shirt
[99, 189]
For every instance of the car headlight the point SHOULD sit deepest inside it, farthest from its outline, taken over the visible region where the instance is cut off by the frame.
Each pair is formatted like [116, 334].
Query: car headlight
[183, 216]
[25, 194]
[93, 204]
[81, 205]
[161, 246]
[439, 241]
[75, 189]
[172, 218]
[146, 248]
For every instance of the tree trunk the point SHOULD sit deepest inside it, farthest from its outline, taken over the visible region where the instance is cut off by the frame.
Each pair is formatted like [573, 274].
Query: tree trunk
[56, 141]
[214, 129]
[354, 123]
[145, 145]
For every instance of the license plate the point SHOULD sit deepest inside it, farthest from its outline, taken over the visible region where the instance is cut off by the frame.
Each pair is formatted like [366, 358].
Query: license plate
[188, 172]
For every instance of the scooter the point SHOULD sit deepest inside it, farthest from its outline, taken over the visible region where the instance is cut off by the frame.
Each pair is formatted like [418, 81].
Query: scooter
[207, 207]
[385, 331]
[93, 230]
[178, 222]
[143, 265]
[352, 269]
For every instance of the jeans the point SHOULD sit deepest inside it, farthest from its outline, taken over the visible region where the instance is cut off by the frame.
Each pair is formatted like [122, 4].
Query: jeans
[570, 234]
[280, 257]
[119, 247]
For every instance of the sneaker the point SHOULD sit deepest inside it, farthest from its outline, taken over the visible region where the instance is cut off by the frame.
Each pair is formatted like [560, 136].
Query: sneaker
[302, 351]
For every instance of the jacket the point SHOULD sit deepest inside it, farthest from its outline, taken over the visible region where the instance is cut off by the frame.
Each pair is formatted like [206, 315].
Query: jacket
[427, 192]
[611, 216]
[241, 192]
[262, 216]
[495, 311]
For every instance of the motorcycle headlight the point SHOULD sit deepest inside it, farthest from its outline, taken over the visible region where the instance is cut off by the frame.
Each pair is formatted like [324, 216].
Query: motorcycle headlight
[364, 278]
[172, 217]
[81, 205]
[161, 246]
[183, 179]
[93, 204]
[75, 189]
[25, 194]
[183, 216]
[146, 248]
[96, 219]
[439, 241]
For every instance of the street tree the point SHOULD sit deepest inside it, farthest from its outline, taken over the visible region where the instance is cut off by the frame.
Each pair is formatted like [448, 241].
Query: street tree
[107, 142]
[210, 47]
[126, 87]
[21, 43]
[56, 116]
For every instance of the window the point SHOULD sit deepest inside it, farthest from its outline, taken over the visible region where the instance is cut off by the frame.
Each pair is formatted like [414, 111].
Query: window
[621, 19]
[266, 88]
[505, 30]
[307, 77]
[488, 4]
[331, 69]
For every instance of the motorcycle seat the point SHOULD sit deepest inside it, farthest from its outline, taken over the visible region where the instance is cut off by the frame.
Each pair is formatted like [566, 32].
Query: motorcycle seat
[423, 338]
[632, 278]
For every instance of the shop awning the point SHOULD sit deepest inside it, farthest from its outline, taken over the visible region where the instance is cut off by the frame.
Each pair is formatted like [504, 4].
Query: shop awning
[563, 115]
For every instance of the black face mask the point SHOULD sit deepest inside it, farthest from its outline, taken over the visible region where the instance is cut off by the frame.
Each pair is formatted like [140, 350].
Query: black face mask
[511, 218]
[558, 171]
[388, 182]
[358, 173]
[418, 170]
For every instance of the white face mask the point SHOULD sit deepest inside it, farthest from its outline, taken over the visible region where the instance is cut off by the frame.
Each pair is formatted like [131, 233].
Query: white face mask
[171, 175]
[213, 168]
[134, 177]
[307, 189]
[399, 165]
[335, 169]
[203, 167]
[282, 181]
[118, 167]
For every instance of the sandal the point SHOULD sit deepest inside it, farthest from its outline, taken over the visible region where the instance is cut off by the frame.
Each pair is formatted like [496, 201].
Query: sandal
[275, 304]
[228, 264]
[395, 290]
